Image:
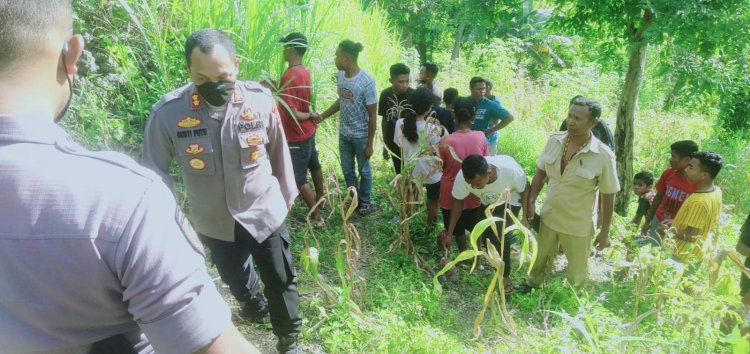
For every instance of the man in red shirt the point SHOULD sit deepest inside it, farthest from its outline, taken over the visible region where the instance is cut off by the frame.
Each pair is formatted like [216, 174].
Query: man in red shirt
[299, 128]
[671, 190]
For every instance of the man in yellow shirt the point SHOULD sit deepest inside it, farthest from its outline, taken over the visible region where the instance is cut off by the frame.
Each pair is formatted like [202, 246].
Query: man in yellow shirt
[700, 212]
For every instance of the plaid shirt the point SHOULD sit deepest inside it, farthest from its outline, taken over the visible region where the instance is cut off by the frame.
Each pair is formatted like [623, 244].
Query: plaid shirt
[355, 94]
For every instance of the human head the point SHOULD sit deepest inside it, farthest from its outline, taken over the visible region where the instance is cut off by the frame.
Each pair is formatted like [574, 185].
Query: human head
[703, 167]
[476, 171]
[464, 110]
[478, 87]
[680, 152]
[583, 115]
[38, 56]
[295, 45]
[489, 84]
[427, 73]
[422, 101]
[449, 95]
[212, 64]
[642, 183]
[399, 77]
[347, 53]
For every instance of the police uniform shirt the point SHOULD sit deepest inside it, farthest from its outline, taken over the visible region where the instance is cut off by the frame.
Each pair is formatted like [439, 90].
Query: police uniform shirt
[92, 245]
[235, 166]
[571, 195]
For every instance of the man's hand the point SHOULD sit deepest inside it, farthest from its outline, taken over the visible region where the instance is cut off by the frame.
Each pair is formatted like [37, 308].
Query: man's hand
[602, 241]
[368, 151]
[444, 240]
[488, 132]
[386, 154]
[316, 118]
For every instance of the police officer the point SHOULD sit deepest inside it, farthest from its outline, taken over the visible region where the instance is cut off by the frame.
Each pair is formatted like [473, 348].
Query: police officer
[228, 141]
[95, 256]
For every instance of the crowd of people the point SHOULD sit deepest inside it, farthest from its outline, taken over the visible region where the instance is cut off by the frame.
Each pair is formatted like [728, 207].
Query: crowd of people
[98, 257]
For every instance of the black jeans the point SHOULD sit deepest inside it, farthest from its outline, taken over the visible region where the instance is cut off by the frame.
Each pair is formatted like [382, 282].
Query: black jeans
[274, 260]
[489, 235]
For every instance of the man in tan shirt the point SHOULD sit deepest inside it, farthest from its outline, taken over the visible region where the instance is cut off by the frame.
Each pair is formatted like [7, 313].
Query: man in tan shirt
[576, 164]
[228, 141]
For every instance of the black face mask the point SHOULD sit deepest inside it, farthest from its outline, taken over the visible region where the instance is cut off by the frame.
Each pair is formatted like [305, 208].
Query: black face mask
[65, 109]
[216, 93]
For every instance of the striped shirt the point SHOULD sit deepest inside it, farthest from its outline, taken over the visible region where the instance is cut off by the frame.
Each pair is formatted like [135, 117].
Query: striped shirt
[700, 211]
[355, 94]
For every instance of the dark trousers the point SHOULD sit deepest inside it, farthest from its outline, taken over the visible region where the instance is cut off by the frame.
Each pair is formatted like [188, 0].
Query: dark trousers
[274, 260]
[396, 157]
[490, 235]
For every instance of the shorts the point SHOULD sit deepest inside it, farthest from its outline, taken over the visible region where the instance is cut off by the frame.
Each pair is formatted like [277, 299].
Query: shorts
[433, 191]
[467, 221]
[304, 158]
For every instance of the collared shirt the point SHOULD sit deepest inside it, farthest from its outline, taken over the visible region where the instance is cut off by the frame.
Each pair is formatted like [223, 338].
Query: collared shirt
[571, 195]
[355, 94]
[235, 167]
[92, 245]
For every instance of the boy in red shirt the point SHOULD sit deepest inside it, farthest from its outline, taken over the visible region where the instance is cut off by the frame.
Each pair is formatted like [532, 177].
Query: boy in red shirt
[671, 190]
[299, 128]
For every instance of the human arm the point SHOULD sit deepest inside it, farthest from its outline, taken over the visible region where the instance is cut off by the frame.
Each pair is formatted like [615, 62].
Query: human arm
[329, 112]
[525, 204]
[743, 244]
[372, 127]
[280, 157]
[383, 113]
[503, 123]
[158, 149]
[457, 208]
[608, 207]
[229, 341]
[540, 176]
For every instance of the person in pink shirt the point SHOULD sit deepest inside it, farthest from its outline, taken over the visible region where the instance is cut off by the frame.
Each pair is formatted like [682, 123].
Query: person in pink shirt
[454, 148]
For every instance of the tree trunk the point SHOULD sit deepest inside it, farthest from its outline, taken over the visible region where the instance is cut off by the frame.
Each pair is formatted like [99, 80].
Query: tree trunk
[459, 40]
[421, 46]
[625, 125]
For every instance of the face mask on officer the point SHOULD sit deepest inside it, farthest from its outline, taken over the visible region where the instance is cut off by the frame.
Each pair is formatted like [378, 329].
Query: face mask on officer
[216, 93]
[66, 108]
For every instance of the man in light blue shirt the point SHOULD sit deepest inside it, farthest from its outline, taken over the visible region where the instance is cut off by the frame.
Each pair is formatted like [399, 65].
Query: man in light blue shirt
[491, 116]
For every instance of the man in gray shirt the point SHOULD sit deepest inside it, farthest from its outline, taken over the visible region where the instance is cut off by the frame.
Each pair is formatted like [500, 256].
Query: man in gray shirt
[95, 255]
[227, 138]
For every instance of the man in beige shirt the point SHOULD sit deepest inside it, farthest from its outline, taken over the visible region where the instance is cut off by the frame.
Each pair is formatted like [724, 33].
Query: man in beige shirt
[228, 141]
[576, 164]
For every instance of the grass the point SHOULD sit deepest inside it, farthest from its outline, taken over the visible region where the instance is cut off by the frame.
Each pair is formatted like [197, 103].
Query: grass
[401, 311]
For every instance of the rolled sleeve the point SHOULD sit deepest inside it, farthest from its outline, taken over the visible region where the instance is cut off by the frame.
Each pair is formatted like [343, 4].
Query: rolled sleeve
[608, 182]
[165, 283]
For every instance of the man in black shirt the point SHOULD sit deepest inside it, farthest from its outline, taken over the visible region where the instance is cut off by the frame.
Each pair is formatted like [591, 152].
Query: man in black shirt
[392, 106]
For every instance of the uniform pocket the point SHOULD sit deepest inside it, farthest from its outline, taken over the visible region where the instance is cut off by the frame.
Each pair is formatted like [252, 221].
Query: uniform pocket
[196, 156]
[585, 173]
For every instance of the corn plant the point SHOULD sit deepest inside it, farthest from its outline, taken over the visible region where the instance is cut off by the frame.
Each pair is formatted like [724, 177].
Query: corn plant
[494, 297]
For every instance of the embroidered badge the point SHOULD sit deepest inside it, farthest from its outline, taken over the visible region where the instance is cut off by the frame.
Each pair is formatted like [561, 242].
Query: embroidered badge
[194, 149]
[197, 163]
[196, 101]
[254, 140]
[189, 122]
[237, 96]
[255, 155]
[248, 115]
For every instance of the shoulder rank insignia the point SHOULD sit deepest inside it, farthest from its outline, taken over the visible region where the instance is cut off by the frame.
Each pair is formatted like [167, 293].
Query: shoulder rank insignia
[189, 122]
[237, 96]
[196, 101]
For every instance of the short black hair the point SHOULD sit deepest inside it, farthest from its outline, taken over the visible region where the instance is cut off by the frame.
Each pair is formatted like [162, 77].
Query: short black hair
[474, 165]
[574, 99]
[399, 69]
[206, 40]
[646, 177]
[295, 40]
[595, 108]
[350, 48]
[489, 83]
[476, 80]
[684, 148]
[709, 161]
[464, 109]
[430, 68]
[25, 25]
[449, 95]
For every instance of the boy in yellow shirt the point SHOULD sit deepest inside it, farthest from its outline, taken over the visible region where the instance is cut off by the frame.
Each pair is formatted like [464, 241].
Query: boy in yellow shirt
[700, 211]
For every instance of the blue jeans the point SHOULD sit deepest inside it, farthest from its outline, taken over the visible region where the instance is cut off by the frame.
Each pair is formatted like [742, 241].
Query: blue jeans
[350, 149]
